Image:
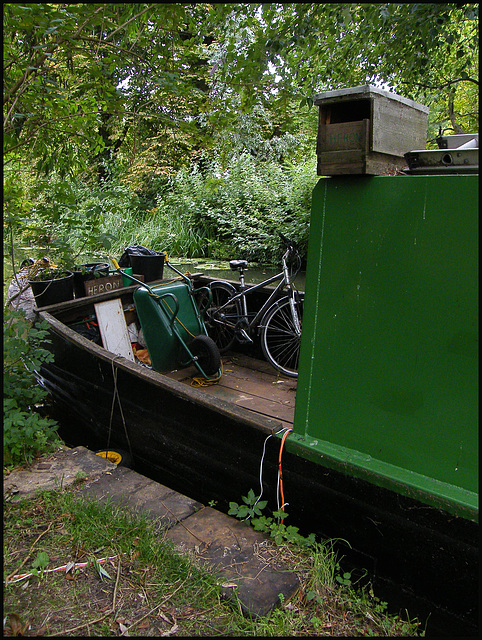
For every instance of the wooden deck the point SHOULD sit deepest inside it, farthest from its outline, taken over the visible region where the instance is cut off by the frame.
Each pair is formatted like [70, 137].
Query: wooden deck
[252, 384]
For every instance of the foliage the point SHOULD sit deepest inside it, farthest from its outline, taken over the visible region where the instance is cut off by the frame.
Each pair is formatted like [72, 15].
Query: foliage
[283, 133]
[238, 210]
[159, 85]
[26, 433]
[274, 526]
[327, 587]
[215, 212]
[48, 274]
[147, 571]
[422, 51]
[188, 127]
[64, 218]
[40, 563]
[79, 78]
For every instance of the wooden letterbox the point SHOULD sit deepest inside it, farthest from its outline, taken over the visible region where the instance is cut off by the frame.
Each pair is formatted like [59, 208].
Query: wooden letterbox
[366, 130]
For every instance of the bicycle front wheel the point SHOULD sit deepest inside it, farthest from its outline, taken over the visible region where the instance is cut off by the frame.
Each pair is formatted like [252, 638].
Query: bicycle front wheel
[222, 315]
[280, 341]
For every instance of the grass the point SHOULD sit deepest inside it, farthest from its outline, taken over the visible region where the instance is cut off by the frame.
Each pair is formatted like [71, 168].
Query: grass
[146, 588]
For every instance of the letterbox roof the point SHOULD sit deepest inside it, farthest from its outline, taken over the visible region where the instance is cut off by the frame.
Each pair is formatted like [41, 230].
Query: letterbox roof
[364, 91]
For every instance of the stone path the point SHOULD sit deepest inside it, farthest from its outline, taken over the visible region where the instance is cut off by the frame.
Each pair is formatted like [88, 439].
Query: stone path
[245, 560]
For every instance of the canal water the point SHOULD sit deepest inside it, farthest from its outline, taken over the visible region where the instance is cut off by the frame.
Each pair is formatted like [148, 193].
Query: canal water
[254, 274]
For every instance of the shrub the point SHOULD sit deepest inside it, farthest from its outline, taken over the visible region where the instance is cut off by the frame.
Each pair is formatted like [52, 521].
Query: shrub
[25, 433]
[237, 211]
[208, 210]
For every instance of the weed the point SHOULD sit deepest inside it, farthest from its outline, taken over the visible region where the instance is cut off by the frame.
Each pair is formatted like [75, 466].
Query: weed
[252, 510]
[329, 597]
[79, 479]
[251, 507]
[40, 563]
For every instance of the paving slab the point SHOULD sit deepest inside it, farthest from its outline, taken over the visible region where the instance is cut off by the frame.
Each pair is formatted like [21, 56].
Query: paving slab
[245, 559]
[56, 472]
[127, 488]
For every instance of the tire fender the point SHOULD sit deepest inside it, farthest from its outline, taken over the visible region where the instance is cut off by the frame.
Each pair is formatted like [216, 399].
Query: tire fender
[227, 285]
[117, 456]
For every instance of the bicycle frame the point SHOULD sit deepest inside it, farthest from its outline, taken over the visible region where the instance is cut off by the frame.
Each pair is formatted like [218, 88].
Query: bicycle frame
[285, 281]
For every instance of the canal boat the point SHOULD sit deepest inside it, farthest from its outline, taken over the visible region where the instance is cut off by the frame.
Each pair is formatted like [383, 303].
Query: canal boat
[216, 441]
[376, 441]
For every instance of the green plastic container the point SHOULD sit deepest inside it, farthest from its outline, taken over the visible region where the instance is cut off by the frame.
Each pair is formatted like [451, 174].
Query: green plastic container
[125, 280]
[166, 320]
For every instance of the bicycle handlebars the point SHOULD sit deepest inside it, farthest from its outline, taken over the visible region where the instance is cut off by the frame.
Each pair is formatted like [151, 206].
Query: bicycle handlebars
[291, 250]
[290, 244]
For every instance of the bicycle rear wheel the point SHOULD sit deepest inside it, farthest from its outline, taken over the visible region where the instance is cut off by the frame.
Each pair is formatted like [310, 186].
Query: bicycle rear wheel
[280, 341]
[221, 323]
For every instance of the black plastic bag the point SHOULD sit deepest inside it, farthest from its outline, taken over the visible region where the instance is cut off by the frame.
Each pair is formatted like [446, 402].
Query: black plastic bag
[135, 250]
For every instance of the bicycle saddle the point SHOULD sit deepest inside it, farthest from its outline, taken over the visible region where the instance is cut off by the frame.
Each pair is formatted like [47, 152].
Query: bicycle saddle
[238, 265]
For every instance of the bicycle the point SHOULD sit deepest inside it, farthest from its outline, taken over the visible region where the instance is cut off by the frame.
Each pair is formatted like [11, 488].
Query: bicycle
[278, 321]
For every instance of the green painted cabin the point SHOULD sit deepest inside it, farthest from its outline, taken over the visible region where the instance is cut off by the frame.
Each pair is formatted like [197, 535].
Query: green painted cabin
[388, 376]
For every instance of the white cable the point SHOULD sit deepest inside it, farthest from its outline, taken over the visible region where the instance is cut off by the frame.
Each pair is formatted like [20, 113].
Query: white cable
[261, 471]
[262, 461]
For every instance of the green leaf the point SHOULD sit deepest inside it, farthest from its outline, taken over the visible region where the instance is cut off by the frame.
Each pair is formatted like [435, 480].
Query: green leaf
[243, 511]
[250, 498]
[100, 570]
[41, 561]
[233, 508]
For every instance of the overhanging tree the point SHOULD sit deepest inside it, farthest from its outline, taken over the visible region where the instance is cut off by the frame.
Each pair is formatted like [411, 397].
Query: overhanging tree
[424, 51]
[77, 77]
[82, 81]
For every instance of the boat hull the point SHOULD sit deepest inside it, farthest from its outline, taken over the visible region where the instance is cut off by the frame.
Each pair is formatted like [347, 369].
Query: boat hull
[423, 558]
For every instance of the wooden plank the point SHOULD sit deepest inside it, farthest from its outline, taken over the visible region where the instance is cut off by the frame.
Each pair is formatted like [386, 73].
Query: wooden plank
[102, 285]
[333, 163]
[255, 403]
[261, 366]
[282, 391]
[397, 128]
[243, 384]
[343, 136]
[113, 328]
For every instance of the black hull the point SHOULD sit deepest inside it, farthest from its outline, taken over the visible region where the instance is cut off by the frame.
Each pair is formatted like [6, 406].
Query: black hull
[424, 559]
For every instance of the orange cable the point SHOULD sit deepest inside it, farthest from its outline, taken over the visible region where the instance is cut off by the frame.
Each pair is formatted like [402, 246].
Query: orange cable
[280, 471]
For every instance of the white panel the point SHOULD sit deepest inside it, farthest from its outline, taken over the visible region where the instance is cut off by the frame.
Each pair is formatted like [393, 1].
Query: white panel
[113, 328]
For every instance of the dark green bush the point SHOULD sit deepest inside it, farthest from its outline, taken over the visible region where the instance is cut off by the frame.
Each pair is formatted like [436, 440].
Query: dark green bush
[237, 212]
[215, 212]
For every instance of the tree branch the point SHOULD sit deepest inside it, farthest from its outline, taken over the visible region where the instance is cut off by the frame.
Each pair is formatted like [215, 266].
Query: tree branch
[446, 84]
[151, 6]
[41, 59]
[457, 128]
